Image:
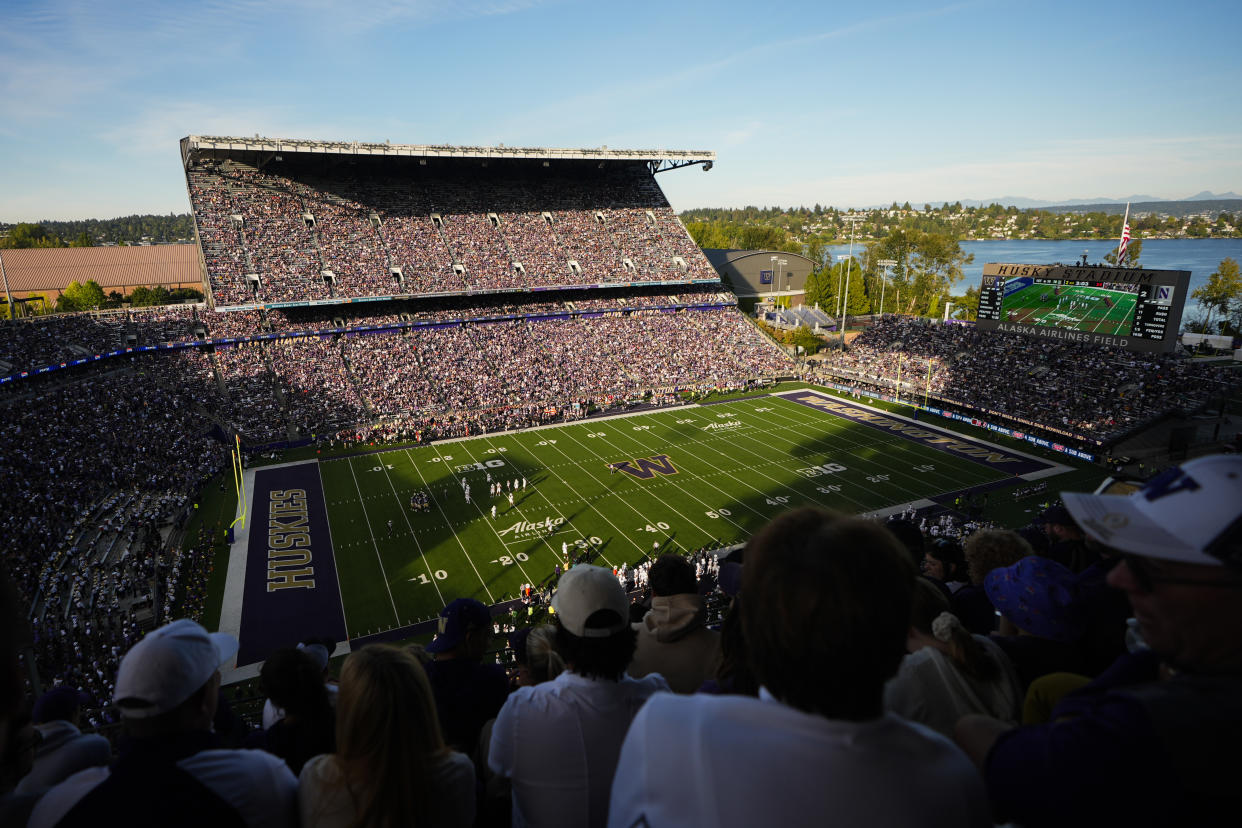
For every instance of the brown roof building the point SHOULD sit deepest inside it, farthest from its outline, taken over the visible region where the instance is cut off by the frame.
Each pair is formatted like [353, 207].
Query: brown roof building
[47, 271]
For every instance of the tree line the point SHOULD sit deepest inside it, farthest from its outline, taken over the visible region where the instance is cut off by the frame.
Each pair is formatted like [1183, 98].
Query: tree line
[799, 227]
[137, 229]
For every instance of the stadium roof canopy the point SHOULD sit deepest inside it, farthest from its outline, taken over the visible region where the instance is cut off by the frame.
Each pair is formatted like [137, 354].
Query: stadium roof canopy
[194, 146]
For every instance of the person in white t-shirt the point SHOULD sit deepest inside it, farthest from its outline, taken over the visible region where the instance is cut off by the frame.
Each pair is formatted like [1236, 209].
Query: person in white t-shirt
[825, 605]
[558, 741]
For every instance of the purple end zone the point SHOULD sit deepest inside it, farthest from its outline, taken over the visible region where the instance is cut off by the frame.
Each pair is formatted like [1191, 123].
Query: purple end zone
[988, 455]
[291, 591]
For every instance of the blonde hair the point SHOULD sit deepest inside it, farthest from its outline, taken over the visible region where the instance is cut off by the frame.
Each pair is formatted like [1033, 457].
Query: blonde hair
[544, 662]
[387, 737]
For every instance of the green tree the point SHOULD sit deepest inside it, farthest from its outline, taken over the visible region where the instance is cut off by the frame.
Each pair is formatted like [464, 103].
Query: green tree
[856, 300]
[1221, 291]
[1133, 250]
[806, 339]
[79, 297]
[967, 306]
[29, 235]
[818, 291]
[83, 240]
[143, 297]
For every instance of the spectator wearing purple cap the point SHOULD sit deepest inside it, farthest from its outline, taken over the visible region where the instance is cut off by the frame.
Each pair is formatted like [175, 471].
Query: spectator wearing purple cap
[467, 691]
[62, 749]
[558, 741]
[1154, 740]
[169, 771]
[1041, 620]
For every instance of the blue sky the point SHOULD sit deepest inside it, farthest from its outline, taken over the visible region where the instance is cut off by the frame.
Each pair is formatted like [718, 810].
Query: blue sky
[843, 104]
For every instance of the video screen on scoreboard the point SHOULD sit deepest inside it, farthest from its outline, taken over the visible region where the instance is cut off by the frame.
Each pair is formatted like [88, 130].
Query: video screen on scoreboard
[1121, 307]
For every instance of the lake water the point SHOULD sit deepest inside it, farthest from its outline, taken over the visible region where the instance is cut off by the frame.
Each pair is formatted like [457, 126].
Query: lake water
[1200, 256]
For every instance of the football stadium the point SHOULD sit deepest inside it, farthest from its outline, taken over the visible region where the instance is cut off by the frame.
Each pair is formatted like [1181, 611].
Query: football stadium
[464, 400]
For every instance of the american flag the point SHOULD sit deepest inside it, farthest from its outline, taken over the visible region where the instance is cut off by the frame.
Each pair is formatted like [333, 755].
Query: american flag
[1125, 239]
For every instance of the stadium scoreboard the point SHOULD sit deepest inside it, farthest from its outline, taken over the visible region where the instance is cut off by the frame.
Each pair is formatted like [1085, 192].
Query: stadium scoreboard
[1132, 308]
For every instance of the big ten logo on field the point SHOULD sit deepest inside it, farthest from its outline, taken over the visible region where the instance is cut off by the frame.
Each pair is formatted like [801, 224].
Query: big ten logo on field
[484, 466]
[822, 469]
[645, 468]
[288, 542]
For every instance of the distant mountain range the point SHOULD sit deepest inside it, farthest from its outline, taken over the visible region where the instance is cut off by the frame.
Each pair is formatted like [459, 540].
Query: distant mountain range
[1026, 203]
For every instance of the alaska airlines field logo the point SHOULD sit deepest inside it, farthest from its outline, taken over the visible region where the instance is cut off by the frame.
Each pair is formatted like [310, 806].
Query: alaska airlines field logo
[525, 529]
[644, 468]
[726, 424]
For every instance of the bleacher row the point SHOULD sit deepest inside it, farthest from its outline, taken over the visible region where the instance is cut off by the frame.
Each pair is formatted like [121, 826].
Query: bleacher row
[269, 237]
[1083, 391]
[33, 343]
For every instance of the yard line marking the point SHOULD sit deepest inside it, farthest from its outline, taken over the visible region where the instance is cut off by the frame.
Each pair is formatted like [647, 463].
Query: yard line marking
[691, 494]
[405, 515]
[375, 544]
[807, 427]
[491, 598]
[753, 469]
[589, 504]
[949, 480]
[484, 517]
[336, 562]
[667, 505]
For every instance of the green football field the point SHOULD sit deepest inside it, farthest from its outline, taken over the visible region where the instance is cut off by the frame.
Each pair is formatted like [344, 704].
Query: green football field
[697, 476]
[1074, 308]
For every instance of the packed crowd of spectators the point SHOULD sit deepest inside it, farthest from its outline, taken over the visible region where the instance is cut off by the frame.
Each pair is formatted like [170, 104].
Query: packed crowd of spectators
[49, 340]
[27, 344]
[384, 235]
[973, 677]
[1082, 390]
[95, 466]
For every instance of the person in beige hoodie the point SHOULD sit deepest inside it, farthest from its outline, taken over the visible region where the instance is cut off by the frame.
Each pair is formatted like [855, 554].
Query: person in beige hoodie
[672, 638]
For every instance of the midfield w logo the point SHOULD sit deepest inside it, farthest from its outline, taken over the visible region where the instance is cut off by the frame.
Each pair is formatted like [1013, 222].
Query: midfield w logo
[644, 468]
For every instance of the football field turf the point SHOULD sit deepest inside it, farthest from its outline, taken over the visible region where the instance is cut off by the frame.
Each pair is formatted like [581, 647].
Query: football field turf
[618, 489]
[1089, 312]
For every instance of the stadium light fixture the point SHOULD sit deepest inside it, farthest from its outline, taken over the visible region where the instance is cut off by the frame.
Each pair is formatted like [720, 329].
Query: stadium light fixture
[853, 219]
[886, 264]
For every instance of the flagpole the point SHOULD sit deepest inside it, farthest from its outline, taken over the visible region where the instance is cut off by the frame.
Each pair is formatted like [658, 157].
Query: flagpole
[1125, 238]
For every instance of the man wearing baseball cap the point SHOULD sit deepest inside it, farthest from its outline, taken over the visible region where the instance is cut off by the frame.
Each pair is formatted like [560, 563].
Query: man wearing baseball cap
[169, 771]
[468, 691]
[1154, 740]
[558, 741]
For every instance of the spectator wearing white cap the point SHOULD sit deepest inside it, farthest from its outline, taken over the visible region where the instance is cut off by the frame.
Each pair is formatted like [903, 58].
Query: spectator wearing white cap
[558, 741]
[169, 772]
[1152, 741]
